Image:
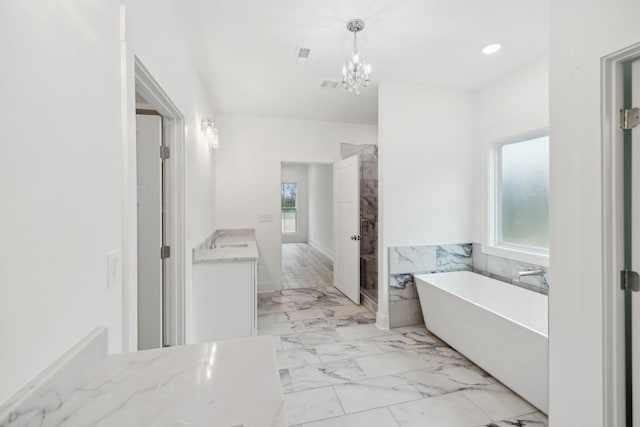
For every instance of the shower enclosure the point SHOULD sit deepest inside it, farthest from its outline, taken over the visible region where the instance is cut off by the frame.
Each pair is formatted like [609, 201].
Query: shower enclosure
[368, 159]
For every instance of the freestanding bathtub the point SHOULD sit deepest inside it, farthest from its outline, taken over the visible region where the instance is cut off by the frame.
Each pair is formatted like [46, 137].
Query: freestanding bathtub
[500, 327]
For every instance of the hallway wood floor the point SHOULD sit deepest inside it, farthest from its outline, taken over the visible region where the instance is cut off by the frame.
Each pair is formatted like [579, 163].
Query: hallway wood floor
[303, 266]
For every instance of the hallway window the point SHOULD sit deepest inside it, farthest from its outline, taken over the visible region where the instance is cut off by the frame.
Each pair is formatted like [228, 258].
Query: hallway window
[288, 199]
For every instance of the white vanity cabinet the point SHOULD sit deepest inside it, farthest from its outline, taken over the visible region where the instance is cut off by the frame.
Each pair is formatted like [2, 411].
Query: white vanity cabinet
[225, 287]
[225, 300]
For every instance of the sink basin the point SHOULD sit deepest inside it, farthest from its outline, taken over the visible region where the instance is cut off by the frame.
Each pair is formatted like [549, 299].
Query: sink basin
[235, 245]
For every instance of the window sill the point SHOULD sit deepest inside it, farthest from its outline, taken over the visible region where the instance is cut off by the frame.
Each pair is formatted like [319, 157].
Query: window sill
[517, 255]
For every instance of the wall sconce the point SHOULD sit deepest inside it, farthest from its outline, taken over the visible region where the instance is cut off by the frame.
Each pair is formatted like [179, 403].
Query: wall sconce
[210, 134]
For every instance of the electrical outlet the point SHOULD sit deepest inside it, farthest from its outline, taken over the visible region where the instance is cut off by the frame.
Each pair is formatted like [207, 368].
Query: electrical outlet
[114, 269]
[266, 218]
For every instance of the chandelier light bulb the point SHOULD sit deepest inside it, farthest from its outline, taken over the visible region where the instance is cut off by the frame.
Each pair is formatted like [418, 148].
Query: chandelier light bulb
[356, 72]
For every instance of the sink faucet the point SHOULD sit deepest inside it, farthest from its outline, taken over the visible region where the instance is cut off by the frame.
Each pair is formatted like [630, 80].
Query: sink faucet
[533, 272]
[220, 234]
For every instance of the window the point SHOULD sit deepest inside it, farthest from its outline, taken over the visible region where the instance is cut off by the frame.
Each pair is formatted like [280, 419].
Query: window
[289, 203]
[520, 208]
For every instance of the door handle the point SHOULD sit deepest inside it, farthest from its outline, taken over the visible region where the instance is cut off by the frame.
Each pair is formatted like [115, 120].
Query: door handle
[354, 237]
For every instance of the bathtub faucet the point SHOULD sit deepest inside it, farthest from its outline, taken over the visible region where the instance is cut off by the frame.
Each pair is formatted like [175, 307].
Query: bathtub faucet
[537, 272]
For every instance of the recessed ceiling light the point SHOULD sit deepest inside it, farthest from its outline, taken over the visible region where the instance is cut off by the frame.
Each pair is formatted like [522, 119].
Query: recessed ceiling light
[492, 48]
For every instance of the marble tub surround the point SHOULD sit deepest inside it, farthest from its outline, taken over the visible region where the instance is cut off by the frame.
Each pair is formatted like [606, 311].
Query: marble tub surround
[505, 269]
[196, 385]
[57, 382]
[405, 261]
[227, 245]
[341, 370]
[430, 258]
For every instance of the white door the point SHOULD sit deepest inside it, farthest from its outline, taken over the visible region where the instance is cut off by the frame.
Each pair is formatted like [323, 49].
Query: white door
[346, 208]
[149, 176]
[635, 245]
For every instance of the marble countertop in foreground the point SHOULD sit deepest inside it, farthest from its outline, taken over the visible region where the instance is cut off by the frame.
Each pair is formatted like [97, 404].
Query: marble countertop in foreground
[226, 383]
[227, 246]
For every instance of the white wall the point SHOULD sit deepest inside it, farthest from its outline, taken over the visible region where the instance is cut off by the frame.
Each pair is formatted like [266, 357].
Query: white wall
[60, 180]
[513, 104]
[248, 173]
[298, 174]
[425, 171]
[321, 208]
[581, 34]
[62, 171]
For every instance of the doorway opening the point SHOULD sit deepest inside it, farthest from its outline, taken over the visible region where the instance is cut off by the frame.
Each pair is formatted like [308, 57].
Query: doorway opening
[306, 218]
[368, 220]
[157, 296]
[621, 223]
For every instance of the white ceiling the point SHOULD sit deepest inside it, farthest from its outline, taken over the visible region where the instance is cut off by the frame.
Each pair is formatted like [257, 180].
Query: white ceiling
[245, 49]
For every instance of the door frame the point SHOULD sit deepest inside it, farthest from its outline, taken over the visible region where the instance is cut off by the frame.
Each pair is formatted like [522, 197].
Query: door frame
[613, 234]
[174, 134]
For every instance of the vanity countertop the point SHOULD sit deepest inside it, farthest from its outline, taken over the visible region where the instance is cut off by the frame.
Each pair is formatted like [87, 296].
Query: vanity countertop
[227, 246]
[224, 383]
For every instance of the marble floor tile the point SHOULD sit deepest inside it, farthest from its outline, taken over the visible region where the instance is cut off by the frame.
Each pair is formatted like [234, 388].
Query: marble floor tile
[393, 363]
[311, 313]
[449, 410]
[405, 341]
[360, 331]
[530, 420]
[312, 405]
[293, 357]
[442, 354]
[347, 350]
[285, 381]
[331, 354]
[380, 417]
[276, 308]
[498, 402]
[325, 374]
[312, 338]
[344, 310]
[352, 320]
[372, 393]
[282, 328]
[317, 325]
[446, 379]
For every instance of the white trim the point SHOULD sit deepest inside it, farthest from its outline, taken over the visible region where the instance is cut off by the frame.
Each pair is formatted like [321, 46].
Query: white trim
[325, 251]
[612, 230]
[174, 139]
[137, 78]
[491, 244]
[129, 226]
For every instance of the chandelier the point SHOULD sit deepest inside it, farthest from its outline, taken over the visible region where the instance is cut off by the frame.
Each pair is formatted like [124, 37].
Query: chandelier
[356, 72]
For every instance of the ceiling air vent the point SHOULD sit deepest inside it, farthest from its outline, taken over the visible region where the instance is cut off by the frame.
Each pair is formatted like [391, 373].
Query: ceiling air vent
[330, 84]
[302, 55]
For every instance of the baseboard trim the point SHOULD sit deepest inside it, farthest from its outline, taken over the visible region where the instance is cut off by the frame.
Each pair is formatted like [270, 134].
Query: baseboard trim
[328, 253]
[382, 321]
[266, 287]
